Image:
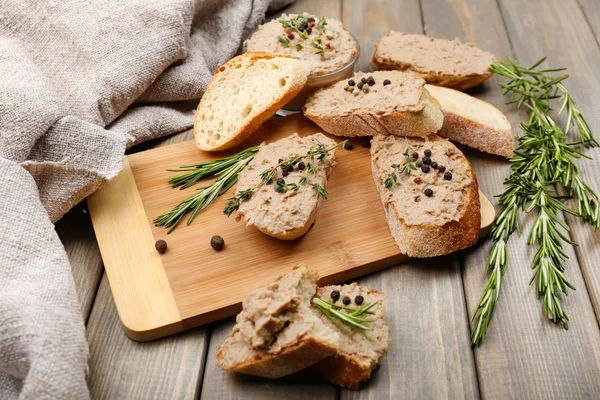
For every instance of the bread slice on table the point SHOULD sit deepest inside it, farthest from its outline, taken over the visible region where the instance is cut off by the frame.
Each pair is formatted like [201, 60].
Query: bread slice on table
[430, 211]
[243, 94]
[395, 104]
[277, 333]
[356, 357]
[441, 62]
[473, 122]
[286, 215]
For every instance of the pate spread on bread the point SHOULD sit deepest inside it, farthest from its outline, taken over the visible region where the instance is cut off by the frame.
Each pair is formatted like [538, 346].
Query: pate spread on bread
[288, 215]
[432, 209]
[440, 62]
[383, 102]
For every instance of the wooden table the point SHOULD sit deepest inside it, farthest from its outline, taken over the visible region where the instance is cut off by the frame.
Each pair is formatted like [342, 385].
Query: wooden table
[430, 301]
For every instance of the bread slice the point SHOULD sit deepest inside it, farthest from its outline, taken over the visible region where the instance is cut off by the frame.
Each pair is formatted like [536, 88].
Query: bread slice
[277, 333]
[441, 62]
[244, 93]
[289, 215]
[426, 226]
[473, 122]
[356, 357]
[403, 107]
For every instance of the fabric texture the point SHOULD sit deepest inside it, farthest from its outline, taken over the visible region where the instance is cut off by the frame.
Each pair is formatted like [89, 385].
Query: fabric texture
[81, 81]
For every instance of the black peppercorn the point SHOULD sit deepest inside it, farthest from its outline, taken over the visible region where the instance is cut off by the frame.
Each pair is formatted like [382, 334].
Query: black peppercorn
[448, 176]
[363, 80]
[427, 160]
[441, 168]
[425, 168]
[415, 155]
[346, 300]
[360, 85]
[428, 192]
[301, 165]
[427, 153]
[309, 30]
[284, 172]
[434, 165]
[365, 141]
[359, 300]
[351, 82]
[279, 161]
[371, 81]
[348, 145]
[387, 82]
[160, 246]
[281, 182]
[335, 295]
[217, 242]
[290, 168]
[311, 19]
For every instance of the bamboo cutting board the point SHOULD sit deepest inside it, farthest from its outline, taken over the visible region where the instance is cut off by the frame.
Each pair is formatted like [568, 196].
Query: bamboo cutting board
[192, 284]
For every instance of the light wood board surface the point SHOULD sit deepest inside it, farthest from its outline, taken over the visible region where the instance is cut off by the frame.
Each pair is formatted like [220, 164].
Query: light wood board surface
[191, 284]
[512, 330]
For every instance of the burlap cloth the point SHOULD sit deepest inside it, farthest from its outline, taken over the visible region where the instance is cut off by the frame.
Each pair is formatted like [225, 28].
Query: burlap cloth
[80, 81]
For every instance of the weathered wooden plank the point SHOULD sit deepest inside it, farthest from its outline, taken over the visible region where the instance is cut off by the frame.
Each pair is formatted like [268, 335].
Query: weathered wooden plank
[524, 355]
[591, 12]
[77, 235]
[120, 368]
[430, 355]
[219, 384]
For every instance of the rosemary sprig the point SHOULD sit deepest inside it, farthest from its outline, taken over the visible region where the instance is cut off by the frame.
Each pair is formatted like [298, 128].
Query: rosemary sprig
[196, 172]
[543, 159]
[227, 176]
[353, 320]
[267, 177]
[407, 165]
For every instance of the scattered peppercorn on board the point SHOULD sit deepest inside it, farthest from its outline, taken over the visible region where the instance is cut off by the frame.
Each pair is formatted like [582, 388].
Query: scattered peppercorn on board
[192, 284]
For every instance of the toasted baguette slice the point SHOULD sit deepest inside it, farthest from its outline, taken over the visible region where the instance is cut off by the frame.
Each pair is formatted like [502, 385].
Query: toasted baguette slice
[356, 357]
[277, 333]
[440, 62]
[289, 215]
[402, 108]
[473, 122]
[426, 226]
[244, 93]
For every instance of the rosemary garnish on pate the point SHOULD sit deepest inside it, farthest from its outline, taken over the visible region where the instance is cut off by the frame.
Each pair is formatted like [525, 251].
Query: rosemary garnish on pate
[303, 26]
[408, 164]
[225, 169]
[352, 319]
[542, 168]
[269, 176]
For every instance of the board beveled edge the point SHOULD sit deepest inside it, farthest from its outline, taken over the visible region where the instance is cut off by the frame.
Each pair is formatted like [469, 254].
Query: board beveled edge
[139, 284]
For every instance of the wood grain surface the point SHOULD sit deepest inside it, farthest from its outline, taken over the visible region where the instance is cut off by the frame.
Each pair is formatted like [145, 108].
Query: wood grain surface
[524, 356]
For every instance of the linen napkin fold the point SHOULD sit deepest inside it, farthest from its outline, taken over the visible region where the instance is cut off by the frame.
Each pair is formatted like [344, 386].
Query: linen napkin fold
[81, 81]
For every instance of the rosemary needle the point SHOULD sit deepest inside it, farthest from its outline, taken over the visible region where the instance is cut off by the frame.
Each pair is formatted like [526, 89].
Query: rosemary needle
[544, 160]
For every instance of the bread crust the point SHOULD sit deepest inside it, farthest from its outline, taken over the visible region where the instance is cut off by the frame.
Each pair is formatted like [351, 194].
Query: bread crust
[422, 241]
[267, 112]
[458, 82]
[292, 359]
[420, 124]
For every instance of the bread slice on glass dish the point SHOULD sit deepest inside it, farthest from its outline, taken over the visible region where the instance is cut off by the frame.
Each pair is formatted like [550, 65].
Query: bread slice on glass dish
[441, 62]
[429, 194]
[357, 355]
[277, 333]
[473, 122]
[384, 102]
[243, 94]
[287, 184]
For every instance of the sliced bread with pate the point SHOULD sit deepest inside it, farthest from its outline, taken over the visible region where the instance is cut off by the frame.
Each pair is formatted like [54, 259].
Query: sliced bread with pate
[243, 94]
[384, 102]
[287, 206]
[356, 357]
[473, 122]
[277, 333]
[431, 202]
[441, 62]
